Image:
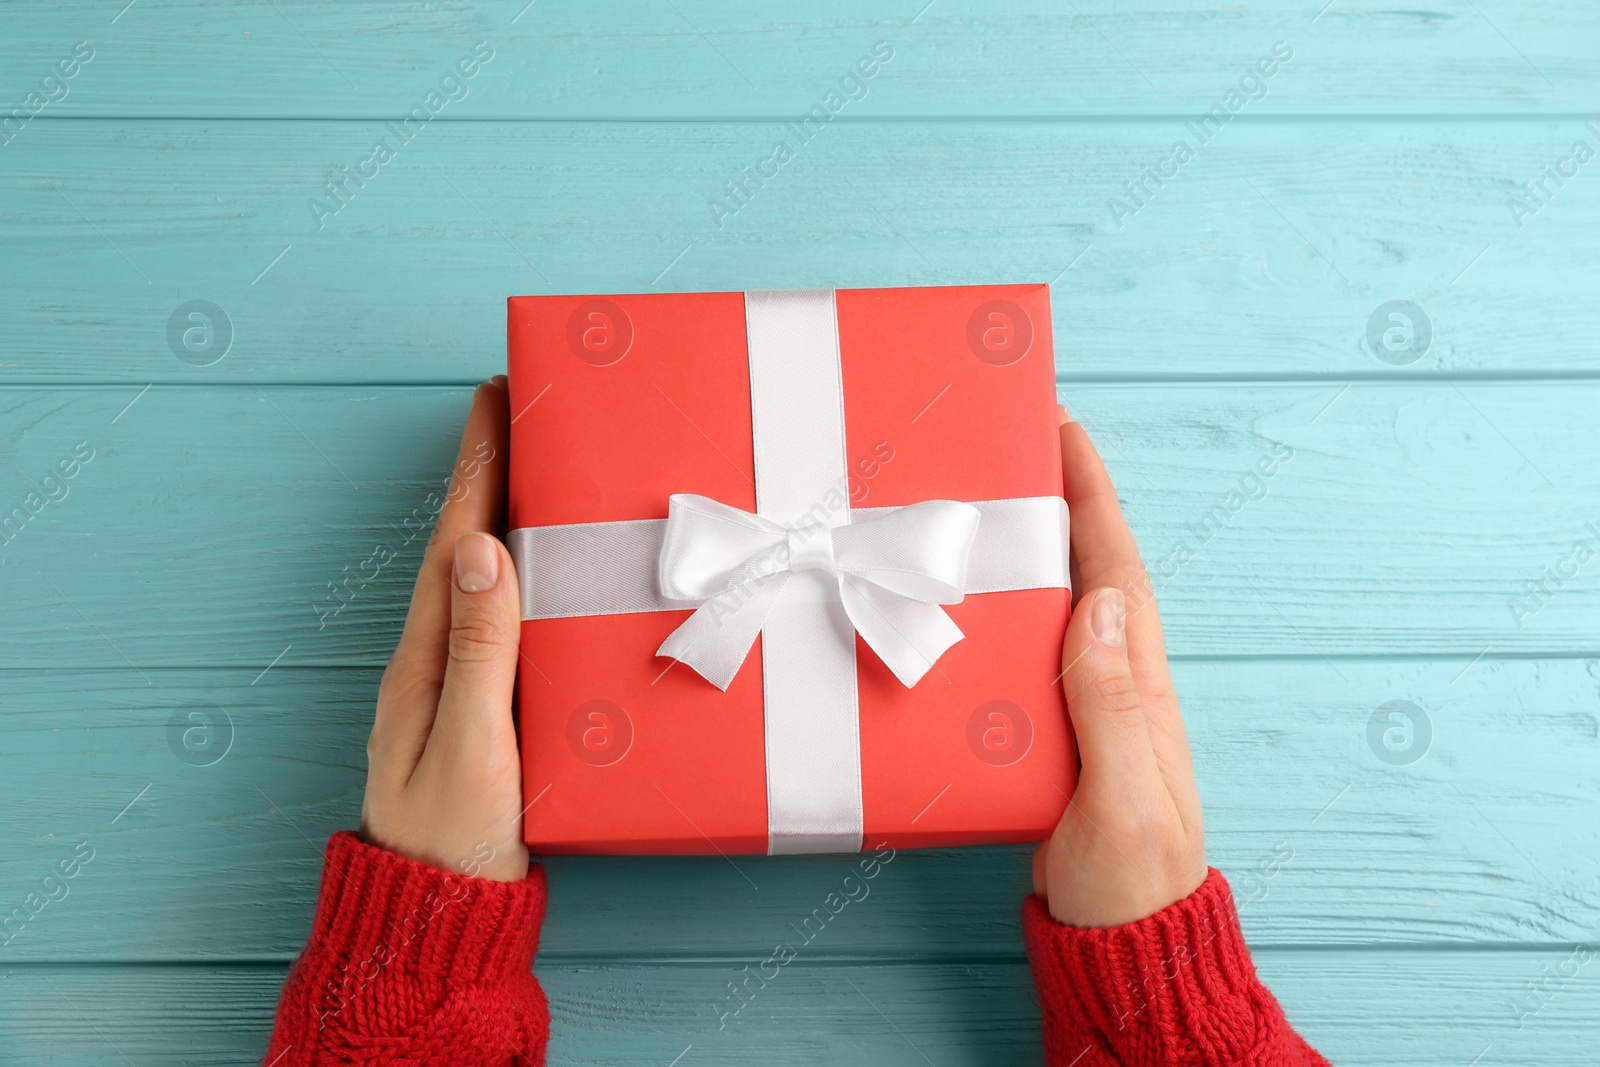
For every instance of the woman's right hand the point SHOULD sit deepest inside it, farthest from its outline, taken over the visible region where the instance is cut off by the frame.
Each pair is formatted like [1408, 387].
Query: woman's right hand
[1131, 841]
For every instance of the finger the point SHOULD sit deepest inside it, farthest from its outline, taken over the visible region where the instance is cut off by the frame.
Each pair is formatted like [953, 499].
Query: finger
[474, 719]
[1102, 544]
[1105, 553]
[1103, 699]
[472, 501]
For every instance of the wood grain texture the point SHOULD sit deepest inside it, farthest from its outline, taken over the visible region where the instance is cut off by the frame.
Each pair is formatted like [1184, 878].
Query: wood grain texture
[1420, 544]
[1325, 842]
[1406, 517]
[1267, 255]
[1397, 1009]
[636, 59]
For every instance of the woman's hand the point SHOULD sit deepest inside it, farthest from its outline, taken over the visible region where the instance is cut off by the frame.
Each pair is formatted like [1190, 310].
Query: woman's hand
[444, 780]
[1130, 842]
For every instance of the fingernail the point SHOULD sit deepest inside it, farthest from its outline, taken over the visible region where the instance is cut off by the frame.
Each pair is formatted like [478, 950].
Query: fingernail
[499, 381]
[1061, 410]
[477, 563]
[1107, 617]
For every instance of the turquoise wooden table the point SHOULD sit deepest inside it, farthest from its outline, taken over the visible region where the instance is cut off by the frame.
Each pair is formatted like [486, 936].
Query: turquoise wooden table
[1361, 238]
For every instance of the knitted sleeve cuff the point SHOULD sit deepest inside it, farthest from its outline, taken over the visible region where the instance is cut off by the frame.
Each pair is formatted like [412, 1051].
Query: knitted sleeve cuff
[380, 912]
[1175, 988]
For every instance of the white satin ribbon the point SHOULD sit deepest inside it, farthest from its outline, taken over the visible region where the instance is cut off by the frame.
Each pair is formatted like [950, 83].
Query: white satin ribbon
[613, 568]
[805, 571]
[892, 572]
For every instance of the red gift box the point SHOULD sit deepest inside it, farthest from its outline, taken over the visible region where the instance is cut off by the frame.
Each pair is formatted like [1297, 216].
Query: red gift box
[621, 404]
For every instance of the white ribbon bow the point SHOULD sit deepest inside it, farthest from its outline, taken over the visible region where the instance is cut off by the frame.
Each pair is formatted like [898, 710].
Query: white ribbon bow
[892, 572]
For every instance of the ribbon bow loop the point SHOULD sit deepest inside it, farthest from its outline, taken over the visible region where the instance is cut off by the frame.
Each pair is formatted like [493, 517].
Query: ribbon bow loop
[891, 573]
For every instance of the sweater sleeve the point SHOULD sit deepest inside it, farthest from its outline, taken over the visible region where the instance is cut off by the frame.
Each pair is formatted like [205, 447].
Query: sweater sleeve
[409, 964]
[1177, 988]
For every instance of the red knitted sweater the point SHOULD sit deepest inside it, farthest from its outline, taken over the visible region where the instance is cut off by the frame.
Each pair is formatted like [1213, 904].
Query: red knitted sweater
[1176, 988]
[412, 965]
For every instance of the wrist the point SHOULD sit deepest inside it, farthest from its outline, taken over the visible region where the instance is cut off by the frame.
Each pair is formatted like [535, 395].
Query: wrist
[497, 856]
[1086, 878]
[1106, 902]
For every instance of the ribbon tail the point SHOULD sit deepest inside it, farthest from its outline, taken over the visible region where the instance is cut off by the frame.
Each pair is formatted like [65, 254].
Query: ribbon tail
[717, 638]
[908, 635]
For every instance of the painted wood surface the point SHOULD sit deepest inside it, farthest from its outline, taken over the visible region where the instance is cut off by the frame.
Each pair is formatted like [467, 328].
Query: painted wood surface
[638, 58]
[1267, 255]
[218, 526]
[1327, 842]
[1420, 545]
[1382, 1007]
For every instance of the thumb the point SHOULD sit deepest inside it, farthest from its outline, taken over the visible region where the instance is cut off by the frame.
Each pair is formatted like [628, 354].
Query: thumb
[485, 626]
[1102, 698]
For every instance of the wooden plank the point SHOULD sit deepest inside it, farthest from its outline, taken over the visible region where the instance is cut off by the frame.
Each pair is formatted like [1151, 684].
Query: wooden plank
[1274, 252]
[641, 59]
[1490, 835]
[1397, 1008]
[1346, 1002]
[211, 523]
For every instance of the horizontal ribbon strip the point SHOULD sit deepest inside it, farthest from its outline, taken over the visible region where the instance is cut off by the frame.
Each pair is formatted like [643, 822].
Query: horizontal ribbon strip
[610, 568]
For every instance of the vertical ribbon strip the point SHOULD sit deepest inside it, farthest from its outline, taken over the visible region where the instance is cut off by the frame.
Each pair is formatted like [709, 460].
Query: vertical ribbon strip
[808, 648]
